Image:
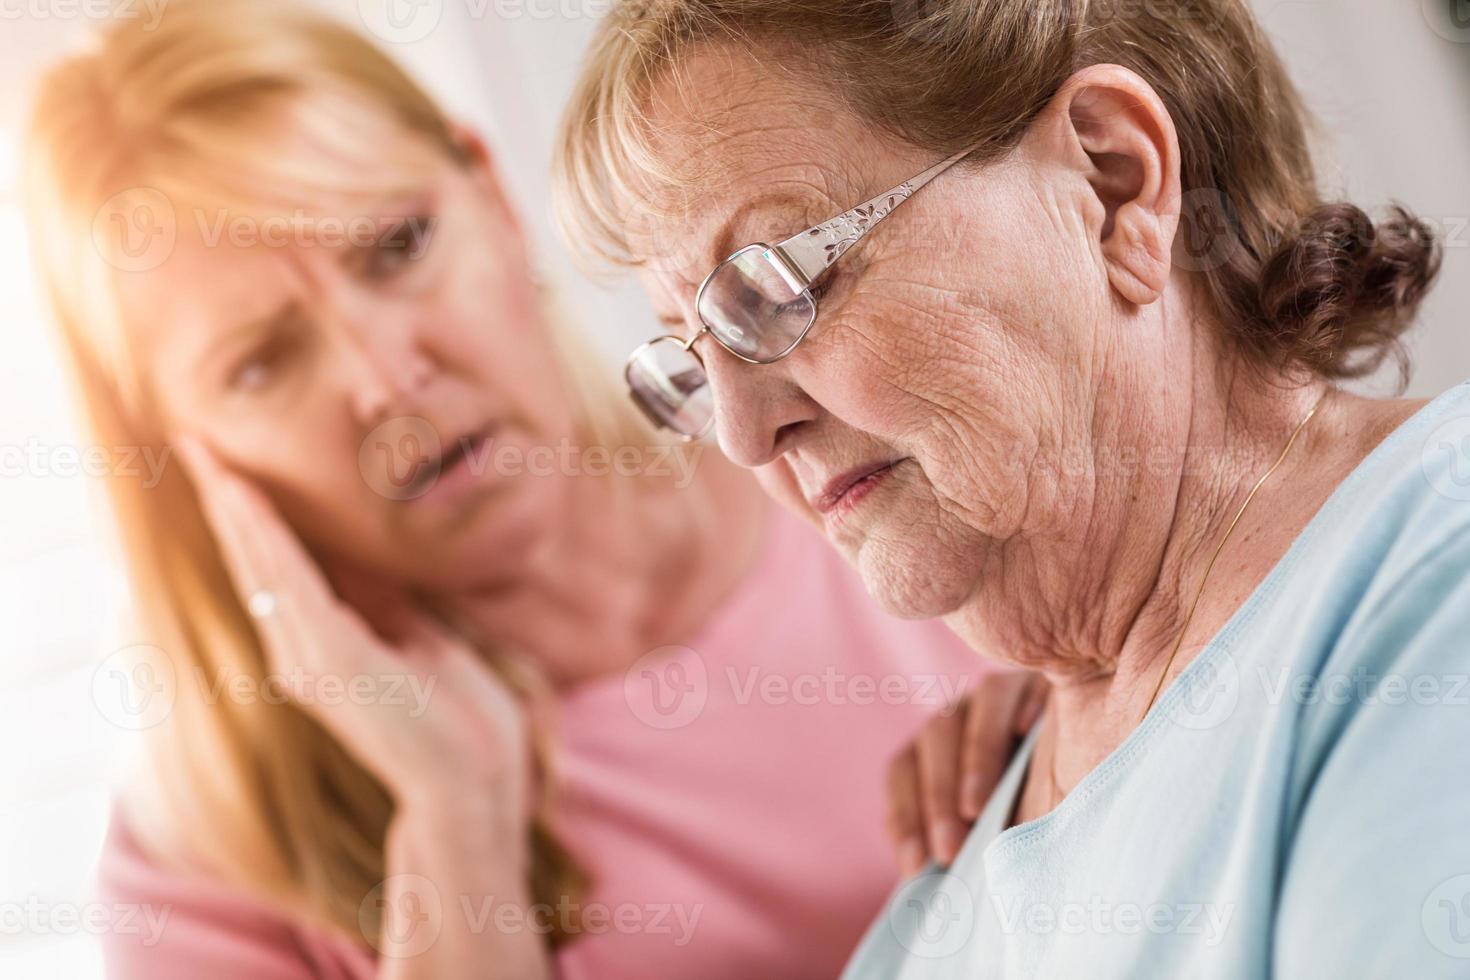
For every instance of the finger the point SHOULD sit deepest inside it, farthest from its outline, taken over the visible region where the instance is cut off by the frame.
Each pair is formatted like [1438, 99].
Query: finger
[211, 486]
[939, 765]
[263, 553]
[262, 544]
[989, 737]
[238, 548]
[905, 814]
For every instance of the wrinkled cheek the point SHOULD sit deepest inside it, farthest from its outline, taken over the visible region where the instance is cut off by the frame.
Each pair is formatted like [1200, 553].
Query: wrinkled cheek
[976, 443]
[858, 373]
[979, 477]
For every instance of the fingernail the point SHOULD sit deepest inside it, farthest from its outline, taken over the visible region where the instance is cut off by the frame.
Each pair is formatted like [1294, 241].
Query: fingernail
[911, 855]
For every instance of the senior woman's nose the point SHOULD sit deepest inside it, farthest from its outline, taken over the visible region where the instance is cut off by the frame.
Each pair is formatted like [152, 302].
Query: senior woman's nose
[760, 410]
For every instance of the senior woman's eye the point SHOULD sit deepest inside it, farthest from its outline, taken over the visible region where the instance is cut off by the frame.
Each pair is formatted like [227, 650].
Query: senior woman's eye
[404, 243]
[818, 289]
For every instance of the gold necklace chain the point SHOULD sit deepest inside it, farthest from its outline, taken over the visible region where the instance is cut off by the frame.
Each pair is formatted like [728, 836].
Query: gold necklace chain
[1204, 579]
[1056, 786]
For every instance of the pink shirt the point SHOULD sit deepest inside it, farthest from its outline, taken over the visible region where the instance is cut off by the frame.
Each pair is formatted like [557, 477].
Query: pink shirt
[727, 796]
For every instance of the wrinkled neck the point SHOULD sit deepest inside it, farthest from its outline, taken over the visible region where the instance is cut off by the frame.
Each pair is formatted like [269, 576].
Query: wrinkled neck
[1099, 606]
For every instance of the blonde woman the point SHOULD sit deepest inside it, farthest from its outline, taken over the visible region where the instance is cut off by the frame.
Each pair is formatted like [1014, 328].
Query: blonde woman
[340, 334]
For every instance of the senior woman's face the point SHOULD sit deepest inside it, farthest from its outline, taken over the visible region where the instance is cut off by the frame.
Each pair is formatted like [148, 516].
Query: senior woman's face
[373, 368]
[953, 347]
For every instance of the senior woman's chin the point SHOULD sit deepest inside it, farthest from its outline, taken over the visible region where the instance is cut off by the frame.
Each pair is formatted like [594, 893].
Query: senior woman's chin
[913, 563]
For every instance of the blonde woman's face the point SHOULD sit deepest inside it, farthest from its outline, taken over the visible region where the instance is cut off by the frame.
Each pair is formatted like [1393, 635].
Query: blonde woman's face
[384, 372]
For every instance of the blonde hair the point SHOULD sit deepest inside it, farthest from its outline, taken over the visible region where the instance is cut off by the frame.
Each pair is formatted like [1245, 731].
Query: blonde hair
[201, 108]
[1294, 280]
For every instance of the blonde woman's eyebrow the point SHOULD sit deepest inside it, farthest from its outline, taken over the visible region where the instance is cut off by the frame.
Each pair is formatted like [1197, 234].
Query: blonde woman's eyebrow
[234, 336]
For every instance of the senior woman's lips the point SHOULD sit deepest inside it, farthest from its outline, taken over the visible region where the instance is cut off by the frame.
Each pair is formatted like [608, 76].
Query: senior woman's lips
[845, 490]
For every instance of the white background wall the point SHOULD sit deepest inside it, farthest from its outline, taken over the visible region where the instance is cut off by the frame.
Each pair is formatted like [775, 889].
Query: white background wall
[1391, 82]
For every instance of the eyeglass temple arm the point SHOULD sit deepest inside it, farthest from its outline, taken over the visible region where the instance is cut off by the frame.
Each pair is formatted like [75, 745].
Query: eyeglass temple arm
[812, 251]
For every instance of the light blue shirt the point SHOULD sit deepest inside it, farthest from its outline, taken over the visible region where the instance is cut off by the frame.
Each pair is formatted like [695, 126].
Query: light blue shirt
[1297, 803]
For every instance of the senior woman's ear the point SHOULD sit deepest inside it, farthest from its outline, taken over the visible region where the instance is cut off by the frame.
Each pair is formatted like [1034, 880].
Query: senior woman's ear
[1108, 125]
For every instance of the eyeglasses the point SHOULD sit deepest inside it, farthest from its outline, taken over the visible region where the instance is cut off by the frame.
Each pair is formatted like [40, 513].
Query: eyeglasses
[758, 305]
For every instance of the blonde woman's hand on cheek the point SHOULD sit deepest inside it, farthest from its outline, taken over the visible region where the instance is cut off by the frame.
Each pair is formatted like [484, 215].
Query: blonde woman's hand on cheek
[416, 706]
[939, 782]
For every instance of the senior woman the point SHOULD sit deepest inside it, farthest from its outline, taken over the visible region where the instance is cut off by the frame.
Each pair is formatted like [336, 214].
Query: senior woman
[1018, 395]
[343, 332]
